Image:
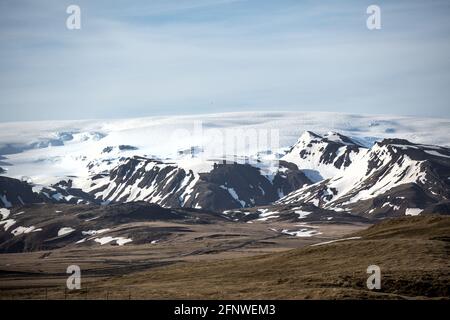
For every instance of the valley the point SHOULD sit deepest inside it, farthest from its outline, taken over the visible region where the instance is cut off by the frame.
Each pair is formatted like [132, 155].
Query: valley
[412, 253]
[150, 220]
[28, 272]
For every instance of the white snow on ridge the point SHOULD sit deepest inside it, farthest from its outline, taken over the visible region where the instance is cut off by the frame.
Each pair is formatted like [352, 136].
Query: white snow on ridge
[119, 240]
[312, 146]
[5, 213]
[392, 179]
[413, 211]
[94, 232]
[352, 182]
[196, 165]
[235, 196]
[21, 230]
[7, 223]
[85, 140]
[265, 214]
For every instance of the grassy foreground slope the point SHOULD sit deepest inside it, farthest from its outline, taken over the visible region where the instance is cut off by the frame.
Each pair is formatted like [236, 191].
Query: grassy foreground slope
[412, 252]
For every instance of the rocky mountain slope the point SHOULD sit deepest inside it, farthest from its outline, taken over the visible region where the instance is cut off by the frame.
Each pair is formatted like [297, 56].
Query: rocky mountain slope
[226, 186]
[327, 177]
[322, 157]
[49, 226]
[14, 192]
[394, 177]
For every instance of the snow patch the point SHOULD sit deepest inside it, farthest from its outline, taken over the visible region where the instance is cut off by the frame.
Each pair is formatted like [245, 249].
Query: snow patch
[22, 230]
[302, 214]
[413, 211]
[303, 233]
[7, 223]
[64, 231]
[5, 213]
[119, 240]
[333, 241]
[94, 232]
[235, 196]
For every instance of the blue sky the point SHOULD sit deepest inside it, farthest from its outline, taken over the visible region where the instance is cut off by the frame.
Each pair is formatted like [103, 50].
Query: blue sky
[144, 58]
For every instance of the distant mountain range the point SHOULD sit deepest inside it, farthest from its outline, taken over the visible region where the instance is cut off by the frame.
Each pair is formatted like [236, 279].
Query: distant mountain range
[329, 175]
[393, 177]
[95, 186]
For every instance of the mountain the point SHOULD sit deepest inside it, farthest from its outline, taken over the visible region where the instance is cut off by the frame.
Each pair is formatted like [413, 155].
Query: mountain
[50, 151]
[123, 198]
[221, 187]
[300, 213]
[51, 226]
[323, 157]
[394, 177]
[333, 175]
[14, 192]
[64, 192]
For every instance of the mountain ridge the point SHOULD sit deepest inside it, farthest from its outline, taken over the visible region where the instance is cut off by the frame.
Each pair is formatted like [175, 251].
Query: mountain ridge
[391, 178]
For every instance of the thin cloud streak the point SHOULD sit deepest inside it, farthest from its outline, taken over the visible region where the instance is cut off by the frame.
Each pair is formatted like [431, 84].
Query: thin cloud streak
[207, 56]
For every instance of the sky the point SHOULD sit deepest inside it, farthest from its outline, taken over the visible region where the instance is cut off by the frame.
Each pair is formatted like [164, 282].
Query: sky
[171, 57]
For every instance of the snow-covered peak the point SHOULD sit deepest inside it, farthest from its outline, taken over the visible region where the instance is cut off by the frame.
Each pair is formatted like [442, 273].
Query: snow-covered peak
[419, 152]
[340, 138]
[394, 173]
[322, 157]
[309, 137]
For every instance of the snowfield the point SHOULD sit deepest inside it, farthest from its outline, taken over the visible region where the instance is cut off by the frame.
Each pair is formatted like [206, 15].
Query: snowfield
[46, 152]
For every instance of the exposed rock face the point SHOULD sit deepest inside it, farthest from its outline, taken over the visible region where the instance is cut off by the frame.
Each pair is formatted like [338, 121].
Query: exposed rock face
[326, 173]
[322, 157]
[226, 186]
[394, 177]
[51, 226]
[14, 192]
[64, 192]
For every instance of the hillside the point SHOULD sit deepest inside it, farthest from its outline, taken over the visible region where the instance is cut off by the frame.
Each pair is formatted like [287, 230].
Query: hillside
[412, 253]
